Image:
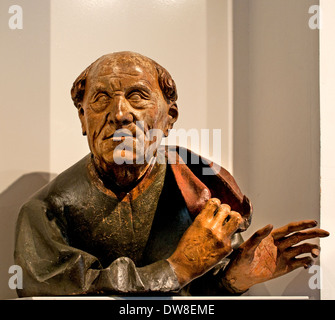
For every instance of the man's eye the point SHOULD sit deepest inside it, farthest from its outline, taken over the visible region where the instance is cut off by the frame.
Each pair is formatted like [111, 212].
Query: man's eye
[100, 102]
[135, 96]
[138, 96]
[102, 97]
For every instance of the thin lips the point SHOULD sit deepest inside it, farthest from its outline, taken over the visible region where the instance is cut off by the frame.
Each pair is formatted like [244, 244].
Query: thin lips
[119, 135]
[121, 138]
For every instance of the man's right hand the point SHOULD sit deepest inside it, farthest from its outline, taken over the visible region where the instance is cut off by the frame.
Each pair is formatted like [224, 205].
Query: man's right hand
[206, 242]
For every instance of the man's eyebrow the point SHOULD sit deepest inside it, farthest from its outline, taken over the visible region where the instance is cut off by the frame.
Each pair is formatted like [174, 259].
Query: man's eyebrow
[145, 82]
[142, 84]
[139, 85]
[99, 87]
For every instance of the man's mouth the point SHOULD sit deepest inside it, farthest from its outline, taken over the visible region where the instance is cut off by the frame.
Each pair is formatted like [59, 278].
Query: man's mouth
[122, 138]
[120, 135]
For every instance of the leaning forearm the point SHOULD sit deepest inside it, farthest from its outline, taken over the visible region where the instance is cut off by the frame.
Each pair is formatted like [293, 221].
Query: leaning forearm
[182, 272]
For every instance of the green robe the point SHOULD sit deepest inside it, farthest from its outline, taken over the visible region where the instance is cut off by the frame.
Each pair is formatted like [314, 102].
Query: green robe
[76, 237]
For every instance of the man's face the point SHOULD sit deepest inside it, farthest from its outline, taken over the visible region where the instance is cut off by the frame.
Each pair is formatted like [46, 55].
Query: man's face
[122, 102]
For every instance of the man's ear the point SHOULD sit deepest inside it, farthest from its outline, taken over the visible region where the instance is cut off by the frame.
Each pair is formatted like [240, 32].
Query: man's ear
[81, 114]
[172, 118]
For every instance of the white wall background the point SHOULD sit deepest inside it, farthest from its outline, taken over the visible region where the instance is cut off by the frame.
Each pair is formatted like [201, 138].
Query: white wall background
[24, 91]
[327, 76]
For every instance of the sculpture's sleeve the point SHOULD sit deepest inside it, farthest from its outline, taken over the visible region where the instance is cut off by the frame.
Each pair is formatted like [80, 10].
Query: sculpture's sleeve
[52, 267]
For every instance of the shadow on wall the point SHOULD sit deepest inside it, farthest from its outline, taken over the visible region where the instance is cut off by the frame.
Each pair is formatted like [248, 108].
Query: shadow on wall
[11, 201]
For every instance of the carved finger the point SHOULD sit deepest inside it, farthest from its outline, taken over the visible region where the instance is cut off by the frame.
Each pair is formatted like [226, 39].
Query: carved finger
[234, 222]
[292, 252]
[292, 227]
[209, 210]
[305, 262]
[300, 236]
[315, 252]
[222, 214]
[253, 242]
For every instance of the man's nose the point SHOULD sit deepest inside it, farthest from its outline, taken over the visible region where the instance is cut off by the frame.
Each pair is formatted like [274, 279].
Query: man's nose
[120, 111]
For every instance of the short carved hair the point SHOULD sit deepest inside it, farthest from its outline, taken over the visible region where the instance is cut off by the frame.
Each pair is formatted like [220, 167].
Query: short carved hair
[166, 84]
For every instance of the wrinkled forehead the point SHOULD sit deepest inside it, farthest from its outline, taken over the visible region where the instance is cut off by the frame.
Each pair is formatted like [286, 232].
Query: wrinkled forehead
[125, 66]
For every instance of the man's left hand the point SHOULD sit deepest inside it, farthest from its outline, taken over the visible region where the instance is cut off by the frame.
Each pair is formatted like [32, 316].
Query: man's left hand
[269, 254]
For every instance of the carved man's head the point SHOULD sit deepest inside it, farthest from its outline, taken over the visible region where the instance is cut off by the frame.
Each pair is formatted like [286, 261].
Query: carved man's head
[122, 96]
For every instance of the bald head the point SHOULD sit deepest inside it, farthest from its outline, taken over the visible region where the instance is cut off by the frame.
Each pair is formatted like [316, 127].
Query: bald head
[125, 60]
